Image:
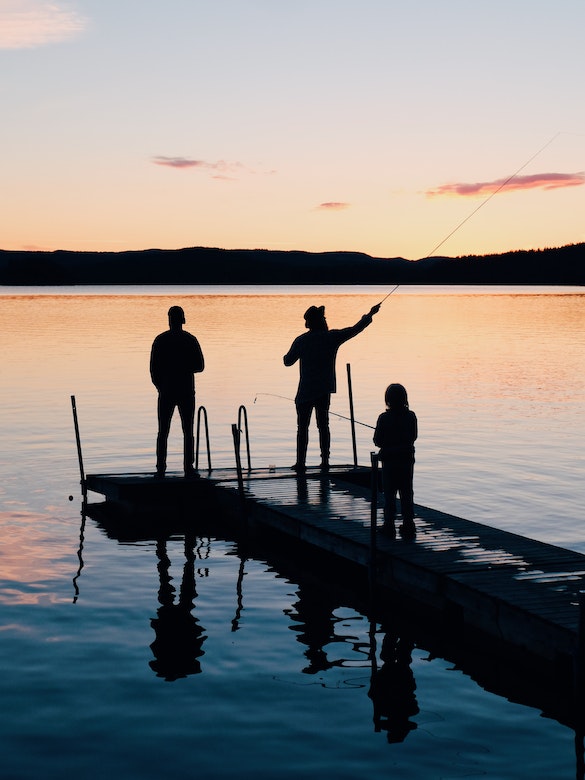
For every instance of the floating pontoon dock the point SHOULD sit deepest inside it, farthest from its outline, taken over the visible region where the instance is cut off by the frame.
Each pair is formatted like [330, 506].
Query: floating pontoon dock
[517, 590]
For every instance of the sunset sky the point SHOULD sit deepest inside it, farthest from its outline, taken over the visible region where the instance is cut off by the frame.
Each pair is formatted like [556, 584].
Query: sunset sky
[378, 126]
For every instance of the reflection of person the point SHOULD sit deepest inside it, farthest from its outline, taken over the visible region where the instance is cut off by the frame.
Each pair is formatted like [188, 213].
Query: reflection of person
[392, 689]
[395, 434]
[314, 622]
[319, 494]
[179, 637]
[316, 351]
[175, 357]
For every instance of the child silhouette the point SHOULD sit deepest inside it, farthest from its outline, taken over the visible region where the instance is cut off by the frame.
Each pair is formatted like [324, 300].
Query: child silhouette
[395, 434]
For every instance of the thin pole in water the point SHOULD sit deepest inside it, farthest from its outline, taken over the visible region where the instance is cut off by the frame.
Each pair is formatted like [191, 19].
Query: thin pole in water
[351, 416]
[79, 454]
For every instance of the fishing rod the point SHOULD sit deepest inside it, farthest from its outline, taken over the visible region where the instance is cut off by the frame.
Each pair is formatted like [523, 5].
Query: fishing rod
[493, 194]
[482, 204]
[335, 414]
[389, 294]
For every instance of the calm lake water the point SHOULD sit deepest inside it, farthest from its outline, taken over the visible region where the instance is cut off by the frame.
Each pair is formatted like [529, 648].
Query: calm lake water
[273, 672]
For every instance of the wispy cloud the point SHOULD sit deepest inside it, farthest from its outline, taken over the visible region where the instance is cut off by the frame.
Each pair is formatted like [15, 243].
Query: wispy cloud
[221, 169]
[27, 24]
[543, 181]
[333, 205]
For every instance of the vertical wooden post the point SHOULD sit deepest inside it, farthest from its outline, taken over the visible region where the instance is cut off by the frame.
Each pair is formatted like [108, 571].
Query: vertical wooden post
[579, 661]
[373, 517]
[79, 454]
[351, 416]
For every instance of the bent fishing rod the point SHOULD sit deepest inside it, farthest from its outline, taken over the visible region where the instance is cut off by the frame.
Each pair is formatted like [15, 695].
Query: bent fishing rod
[335, 414]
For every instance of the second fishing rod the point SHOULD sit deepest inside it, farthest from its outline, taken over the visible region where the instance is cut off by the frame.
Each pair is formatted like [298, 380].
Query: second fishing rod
[351, 419]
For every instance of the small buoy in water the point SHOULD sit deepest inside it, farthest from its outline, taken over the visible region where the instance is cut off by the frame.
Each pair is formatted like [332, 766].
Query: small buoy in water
[70, 498]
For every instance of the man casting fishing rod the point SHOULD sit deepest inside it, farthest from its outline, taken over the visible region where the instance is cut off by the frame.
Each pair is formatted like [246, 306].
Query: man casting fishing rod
[316, 351]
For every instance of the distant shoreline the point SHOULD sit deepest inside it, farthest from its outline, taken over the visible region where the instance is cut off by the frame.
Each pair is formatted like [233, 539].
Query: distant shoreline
[204, 266]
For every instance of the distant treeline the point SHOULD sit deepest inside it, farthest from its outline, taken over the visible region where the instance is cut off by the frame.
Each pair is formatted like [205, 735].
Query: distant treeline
[201, 265]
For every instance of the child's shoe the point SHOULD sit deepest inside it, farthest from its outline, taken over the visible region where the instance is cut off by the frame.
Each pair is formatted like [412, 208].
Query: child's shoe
[389, 529]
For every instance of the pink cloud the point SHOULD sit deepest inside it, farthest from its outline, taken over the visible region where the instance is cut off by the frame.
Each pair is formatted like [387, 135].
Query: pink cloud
[220, 169]
[544, 181]
[223, 170]
[333, 205]
[27, 24]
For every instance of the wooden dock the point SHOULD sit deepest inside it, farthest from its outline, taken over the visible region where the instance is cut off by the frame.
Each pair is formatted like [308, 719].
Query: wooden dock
[521, 592]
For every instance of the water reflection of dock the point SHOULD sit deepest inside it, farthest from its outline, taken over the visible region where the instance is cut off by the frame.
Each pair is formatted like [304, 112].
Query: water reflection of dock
[519, 592]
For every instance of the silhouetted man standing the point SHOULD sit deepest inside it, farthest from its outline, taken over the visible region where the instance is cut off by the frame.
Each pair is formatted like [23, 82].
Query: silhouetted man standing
[316, 351]
[174, 359]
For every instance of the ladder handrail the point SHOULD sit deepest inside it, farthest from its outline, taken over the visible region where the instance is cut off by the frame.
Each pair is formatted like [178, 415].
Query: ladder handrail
[202, 411]
[242, 411]
[236, 438]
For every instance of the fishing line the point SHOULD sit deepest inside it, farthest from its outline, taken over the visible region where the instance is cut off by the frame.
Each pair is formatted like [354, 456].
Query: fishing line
[389, 294]
[481, 205]
[440, 244]
[495, 192]
[343, 417]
